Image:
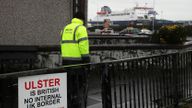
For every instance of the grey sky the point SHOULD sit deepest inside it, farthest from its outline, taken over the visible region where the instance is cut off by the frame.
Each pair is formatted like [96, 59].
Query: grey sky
[166, 9]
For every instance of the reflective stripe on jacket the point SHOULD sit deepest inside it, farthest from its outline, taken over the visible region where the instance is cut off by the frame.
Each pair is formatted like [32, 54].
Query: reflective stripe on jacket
[74, 42]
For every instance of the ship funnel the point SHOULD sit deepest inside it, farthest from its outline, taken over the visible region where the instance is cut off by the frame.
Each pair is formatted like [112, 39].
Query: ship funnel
[104, 10]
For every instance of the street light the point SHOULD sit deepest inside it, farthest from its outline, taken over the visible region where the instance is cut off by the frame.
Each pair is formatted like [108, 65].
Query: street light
[153, 21]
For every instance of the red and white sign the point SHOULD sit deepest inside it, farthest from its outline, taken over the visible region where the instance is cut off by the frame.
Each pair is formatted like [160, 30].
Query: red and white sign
[43, 91]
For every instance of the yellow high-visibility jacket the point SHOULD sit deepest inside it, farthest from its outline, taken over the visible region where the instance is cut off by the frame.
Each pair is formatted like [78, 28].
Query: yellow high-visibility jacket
[74, 44]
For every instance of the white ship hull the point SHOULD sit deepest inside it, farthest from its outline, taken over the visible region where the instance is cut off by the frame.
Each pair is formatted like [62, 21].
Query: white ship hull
[135, 15]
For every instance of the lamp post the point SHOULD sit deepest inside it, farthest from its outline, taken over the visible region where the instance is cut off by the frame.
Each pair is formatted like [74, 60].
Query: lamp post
[154, 13]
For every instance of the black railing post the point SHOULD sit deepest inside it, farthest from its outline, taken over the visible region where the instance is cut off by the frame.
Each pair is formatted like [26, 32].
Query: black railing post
[175, 61]
[106, 87]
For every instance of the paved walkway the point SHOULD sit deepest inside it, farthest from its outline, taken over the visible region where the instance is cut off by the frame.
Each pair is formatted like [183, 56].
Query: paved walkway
[94, 99]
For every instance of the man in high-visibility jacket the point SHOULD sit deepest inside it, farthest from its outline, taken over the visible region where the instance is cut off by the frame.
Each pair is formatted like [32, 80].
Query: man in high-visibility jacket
[75, 50]
[75, 44]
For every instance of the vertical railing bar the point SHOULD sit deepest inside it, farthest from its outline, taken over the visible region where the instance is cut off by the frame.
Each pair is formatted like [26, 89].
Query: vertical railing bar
[159, 83]
[120, 84]
[175, 70]
[153, 83]
[165, 80]
[183, 73]
[158, 80]
[185, 78]
[155, 80]
[114, 84]
[147, 83]
[180, 76]
[171, 79]
[168, 81]
[182, 79]
[187, 74]
[133, 82]
[173, 67]
[87, 85]
[129, 65]
[13, 96]
[138, 76]
[110, 86]
[173, 62]
[187, 67]
[125, 83]
[160, 97]
[190, 72]
[165, 75]
[162, 81]
[190, 69]
[176, 73]
[143, 82]
[150, 84]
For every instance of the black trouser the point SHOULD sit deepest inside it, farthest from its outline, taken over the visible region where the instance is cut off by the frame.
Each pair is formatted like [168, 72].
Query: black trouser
[76, 85]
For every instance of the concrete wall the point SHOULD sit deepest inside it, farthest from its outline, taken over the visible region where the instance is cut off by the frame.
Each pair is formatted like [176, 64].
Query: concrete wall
[33, 22]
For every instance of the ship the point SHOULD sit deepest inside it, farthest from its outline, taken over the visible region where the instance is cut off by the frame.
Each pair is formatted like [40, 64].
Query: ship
[136, 16]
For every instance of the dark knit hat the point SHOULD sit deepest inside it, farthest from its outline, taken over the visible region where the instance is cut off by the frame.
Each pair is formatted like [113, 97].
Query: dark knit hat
[79, 15]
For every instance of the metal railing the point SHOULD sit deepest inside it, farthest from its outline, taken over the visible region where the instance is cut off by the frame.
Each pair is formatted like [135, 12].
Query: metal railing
[151, 82]
[147, 82]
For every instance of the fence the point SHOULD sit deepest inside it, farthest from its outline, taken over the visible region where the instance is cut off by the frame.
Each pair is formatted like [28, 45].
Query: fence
[148, 82]
[151, 82]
